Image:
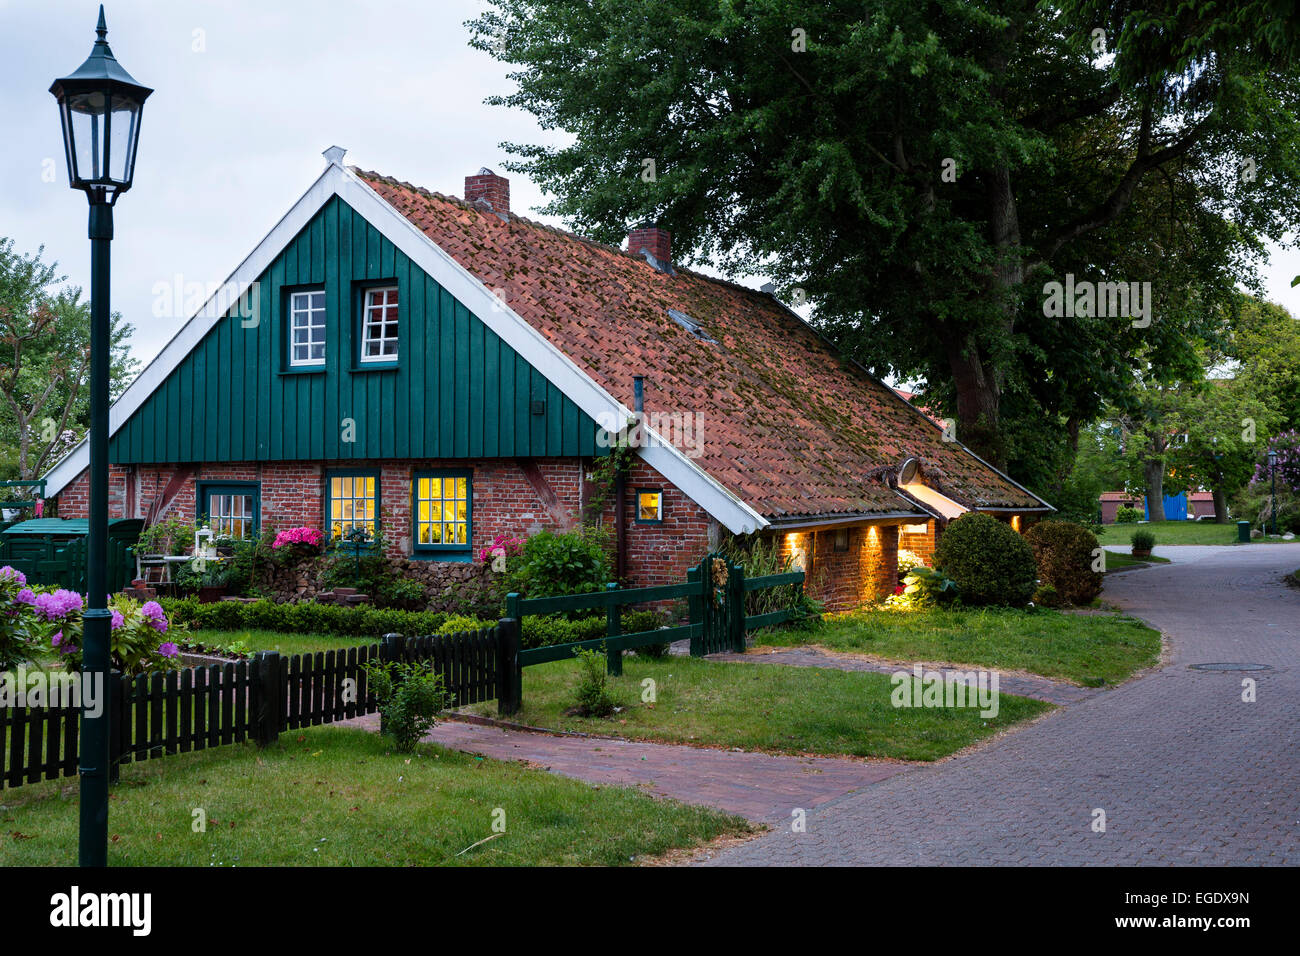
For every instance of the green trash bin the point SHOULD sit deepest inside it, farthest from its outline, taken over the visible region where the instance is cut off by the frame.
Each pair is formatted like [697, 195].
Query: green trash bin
[1243, 532]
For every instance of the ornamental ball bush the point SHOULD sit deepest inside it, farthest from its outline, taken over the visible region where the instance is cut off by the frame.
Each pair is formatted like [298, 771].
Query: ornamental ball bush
[990, 562]
[1065, 552]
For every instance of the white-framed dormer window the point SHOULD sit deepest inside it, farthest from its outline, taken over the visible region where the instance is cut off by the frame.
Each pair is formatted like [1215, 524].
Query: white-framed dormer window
[307, 327]
[379, 325]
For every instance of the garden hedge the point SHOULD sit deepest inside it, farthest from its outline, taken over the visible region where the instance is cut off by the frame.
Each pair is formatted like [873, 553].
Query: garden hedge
[371, 622]
[991, 563]
[1064, 552]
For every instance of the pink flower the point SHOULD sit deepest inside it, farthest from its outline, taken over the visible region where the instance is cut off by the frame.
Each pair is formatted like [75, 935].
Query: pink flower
[118, 619]
[298, 536]
[168, 649]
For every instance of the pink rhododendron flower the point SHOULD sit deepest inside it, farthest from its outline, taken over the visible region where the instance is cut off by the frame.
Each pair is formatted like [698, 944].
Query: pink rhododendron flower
[294, 536]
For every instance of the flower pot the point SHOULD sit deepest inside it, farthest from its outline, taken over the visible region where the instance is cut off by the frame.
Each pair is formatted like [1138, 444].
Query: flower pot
[211, 593]
[1141, 554]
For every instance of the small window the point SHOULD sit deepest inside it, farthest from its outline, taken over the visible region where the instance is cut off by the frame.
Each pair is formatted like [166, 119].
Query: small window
[442, 505]
[649, 505]
[229, 509]
[352, 506]
[307, 328]
[379, 325]
[841, 539]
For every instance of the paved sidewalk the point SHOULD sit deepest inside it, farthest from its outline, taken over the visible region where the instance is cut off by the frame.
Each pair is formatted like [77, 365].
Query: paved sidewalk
[1185, 771]
[764, 788]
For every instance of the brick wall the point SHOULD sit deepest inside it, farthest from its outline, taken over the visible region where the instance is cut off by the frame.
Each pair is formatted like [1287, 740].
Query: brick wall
[922, 545]
[866, 571]
[510, 497]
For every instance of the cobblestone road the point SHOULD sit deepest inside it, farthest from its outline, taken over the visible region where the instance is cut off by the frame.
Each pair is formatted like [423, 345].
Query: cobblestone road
[1186, 772]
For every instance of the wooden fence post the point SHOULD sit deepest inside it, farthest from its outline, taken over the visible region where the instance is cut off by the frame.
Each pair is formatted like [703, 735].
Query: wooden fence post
[114, 705]
[695, 603]
[509, 673]
[391, 647]
[613, 627]
[736, 597]
[267, 701]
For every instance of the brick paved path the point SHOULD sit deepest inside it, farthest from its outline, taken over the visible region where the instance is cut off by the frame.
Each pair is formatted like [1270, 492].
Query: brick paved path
[1185, 771]
[760, 787]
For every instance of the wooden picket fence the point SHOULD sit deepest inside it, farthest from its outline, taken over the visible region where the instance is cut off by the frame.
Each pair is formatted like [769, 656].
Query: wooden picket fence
[195, 708]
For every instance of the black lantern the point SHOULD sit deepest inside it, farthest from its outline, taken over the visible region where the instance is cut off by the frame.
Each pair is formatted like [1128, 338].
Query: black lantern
[100, 105]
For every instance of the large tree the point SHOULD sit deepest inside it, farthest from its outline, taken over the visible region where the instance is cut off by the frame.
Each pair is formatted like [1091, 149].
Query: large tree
[921, 169]
[45, 363]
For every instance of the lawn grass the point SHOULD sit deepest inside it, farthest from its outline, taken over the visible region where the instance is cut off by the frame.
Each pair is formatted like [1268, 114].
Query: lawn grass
[1117, 559]
[278, 641]
[763, 707]
[1083, 648]
[1179, 532]
[335, 796]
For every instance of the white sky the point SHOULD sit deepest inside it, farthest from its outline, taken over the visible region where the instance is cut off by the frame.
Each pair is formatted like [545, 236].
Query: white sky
[233, 135]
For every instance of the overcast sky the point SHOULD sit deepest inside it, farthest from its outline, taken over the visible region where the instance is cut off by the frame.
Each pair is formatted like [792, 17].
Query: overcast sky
[247, 95]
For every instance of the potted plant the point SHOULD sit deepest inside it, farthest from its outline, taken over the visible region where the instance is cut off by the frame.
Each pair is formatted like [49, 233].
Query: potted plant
[213, 581]
[1143, 542]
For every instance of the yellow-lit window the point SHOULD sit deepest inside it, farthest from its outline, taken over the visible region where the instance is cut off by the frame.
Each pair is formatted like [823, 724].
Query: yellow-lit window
[353, 506]
[442, 511]
[649, 506]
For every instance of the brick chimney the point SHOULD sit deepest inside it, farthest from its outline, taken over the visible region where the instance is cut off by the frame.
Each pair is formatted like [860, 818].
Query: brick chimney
[652, 239]
[488, 186]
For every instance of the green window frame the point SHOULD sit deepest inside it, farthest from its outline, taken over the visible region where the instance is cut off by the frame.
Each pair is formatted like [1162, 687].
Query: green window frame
[657, 514]
[352, 498]
[389, 329]
[233, 509]
[442, 514]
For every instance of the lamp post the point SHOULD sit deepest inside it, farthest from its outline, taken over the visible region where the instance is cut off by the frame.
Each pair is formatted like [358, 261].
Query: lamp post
[100, 106]
[1272, 471]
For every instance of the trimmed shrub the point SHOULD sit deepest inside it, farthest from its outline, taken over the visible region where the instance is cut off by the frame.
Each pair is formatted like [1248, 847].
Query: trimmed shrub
[1143, 541]
[990, 562]
[303, 618]
[1127, 515]
[543, 631]
[1064, 553]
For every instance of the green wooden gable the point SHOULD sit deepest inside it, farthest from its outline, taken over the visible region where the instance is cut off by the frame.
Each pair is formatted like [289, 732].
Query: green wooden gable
[457, 391]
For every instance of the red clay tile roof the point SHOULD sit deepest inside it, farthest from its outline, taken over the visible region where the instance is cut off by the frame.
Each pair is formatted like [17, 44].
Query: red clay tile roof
[785, 424]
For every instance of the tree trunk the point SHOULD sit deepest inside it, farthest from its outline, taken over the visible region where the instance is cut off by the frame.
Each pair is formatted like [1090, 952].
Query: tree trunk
[1220, 504]
[1154, 473]
[978, 396]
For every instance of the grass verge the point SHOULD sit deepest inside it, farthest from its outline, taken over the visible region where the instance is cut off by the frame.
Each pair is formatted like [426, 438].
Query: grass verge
[763, 707]
[1083, 648]
[334, 796]
[1180, 532]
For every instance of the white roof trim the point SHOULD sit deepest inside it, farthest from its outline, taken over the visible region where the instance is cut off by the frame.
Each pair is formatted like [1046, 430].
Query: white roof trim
[512, 328]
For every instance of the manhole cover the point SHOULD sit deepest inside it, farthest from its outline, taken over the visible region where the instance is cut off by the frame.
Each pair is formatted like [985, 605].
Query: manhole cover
[1230, 667]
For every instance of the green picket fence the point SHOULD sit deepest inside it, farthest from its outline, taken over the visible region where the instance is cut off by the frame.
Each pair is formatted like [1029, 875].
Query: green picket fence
[718, 622]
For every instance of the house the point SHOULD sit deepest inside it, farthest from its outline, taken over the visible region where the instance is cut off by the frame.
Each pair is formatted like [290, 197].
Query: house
[1180, 506]
[455, 369]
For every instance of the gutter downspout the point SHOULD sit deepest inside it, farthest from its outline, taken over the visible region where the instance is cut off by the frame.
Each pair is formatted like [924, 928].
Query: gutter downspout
[620, 489]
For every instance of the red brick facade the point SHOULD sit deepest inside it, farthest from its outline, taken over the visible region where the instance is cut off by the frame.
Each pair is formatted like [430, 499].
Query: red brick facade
[509, 496]
[867, 570]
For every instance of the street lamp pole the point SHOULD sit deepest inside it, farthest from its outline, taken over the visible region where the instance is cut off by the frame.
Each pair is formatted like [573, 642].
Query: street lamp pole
[100, 106]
